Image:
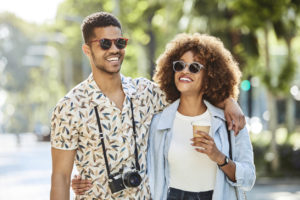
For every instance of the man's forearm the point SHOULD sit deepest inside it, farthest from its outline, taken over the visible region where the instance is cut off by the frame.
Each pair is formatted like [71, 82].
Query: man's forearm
[233, 114]
[60, 187]
[222, 104]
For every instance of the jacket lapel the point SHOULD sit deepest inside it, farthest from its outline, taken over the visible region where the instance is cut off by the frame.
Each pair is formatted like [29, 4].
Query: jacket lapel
[168, 116]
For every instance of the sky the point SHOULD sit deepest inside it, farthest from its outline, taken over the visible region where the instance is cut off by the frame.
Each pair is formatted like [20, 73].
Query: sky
[37, 11]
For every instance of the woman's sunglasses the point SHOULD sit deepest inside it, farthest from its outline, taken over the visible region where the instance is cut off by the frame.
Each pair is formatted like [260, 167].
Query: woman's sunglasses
[105, 43]
[194, 67]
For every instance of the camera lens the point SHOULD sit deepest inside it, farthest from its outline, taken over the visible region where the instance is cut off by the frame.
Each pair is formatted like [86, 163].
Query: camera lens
[132, 179]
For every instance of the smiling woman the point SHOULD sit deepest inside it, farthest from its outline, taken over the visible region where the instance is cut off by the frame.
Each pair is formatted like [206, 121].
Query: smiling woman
[32, 10]
[197, 71]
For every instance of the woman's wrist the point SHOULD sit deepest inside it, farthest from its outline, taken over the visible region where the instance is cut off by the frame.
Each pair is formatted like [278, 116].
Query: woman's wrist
[220, 159]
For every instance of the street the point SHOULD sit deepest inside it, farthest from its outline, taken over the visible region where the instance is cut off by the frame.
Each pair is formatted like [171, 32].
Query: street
[25, 173]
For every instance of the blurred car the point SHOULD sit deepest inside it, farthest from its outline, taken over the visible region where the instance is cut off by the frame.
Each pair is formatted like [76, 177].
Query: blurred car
[42, 132]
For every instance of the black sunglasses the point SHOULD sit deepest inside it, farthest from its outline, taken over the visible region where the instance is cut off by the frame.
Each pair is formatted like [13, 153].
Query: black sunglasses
[194, 67]
[105, 43]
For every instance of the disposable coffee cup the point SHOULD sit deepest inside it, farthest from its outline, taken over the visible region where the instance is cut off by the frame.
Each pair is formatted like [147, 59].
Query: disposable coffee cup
[200, 126]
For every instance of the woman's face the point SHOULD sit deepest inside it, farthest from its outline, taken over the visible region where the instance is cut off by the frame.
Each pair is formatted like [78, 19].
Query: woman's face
[189, 83]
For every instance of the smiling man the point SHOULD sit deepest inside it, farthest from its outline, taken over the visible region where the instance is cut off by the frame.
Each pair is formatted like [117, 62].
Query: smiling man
[103, 123]
[114, 100]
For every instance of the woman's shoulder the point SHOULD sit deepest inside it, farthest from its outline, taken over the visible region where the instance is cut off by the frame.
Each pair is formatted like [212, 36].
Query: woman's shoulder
[215, 111]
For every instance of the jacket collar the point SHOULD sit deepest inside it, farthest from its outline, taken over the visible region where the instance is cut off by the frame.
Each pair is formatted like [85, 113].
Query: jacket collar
[215, 111]
[169, 113]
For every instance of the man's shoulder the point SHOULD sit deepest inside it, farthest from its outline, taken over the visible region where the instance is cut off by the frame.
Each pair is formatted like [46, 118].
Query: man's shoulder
[79, 89]
[140, 85]
[73, 95]
[137, 81]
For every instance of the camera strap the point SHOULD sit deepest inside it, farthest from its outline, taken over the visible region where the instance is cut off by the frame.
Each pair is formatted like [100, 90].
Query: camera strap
[102, 141]
[137, 165]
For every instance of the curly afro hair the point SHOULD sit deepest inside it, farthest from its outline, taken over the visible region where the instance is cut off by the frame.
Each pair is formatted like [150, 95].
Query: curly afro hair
[221, 75]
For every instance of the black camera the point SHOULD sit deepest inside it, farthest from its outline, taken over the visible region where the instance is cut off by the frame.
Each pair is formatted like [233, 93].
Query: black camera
[124, 180]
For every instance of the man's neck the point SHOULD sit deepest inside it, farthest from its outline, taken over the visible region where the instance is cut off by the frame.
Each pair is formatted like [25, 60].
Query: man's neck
[111, 86]
[108, 83]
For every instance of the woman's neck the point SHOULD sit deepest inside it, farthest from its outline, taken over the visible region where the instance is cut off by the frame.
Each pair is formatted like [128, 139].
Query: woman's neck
[191, 105]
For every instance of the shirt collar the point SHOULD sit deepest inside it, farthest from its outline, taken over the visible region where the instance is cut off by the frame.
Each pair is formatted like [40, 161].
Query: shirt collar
[168, 114]
[95, 92]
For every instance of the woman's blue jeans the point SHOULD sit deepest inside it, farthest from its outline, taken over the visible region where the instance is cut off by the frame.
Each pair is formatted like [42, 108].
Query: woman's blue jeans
[176, 194]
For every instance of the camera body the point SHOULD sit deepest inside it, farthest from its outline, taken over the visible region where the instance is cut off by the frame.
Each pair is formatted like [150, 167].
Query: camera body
[124, 180]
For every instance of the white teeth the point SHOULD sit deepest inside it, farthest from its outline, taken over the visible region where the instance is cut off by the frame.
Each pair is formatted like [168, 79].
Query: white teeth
[113, 59]
[185, 79]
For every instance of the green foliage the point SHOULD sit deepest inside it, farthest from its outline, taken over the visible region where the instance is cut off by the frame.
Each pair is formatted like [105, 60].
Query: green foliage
[220, 19]
[286, 76]
[283, 80]
[258, 13]
[288, 151]
[263, 14]
[149, 25]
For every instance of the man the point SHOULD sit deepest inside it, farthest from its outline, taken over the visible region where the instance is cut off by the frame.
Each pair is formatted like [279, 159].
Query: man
[108, 104]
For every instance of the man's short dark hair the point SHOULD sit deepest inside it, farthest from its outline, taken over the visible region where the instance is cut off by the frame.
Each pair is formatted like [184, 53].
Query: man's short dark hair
[99, 19]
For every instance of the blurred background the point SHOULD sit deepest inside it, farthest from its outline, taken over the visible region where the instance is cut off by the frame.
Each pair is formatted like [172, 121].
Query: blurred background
[41, 59]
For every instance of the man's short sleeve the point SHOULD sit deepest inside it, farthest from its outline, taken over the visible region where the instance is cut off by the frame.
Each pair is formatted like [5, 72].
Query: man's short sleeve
[158, 97]
[64, 132]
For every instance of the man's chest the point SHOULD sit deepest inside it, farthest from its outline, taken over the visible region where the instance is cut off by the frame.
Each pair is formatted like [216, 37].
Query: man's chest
[118, 131]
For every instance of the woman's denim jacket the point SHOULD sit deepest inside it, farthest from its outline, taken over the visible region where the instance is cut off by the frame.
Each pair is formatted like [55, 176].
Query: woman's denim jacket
[159, 143]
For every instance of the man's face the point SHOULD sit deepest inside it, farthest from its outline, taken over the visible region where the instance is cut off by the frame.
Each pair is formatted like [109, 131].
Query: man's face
[110, 60]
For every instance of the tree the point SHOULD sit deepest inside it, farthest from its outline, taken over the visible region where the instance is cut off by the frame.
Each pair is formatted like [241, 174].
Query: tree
[256, 15]
[149, 24]
[287, 28]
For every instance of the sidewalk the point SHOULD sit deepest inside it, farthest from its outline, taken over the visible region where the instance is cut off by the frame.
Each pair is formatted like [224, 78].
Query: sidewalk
[275, 189]
[25, 173]
[25, 169]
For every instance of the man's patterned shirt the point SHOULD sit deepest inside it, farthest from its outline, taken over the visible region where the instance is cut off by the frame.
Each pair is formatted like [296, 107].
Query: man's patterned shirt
[74, 127]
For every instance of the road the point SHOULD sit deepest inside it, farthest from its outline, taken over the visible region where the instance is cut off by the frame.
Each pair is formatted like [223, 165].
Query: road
[25, 173]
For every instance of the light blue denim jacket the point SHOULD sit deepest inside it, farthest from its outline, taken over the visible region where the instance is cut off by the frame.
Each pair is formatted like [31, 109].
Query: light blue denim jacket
[159, 143]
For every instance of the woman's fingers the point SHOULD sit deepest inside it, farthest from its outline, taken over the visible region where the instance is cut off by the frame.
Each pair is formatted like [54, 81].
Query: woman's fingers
[204, 144]
[80, 186]
[202, 134]
[81, 190]
[203, 140]
[81, 183]
[200, 150]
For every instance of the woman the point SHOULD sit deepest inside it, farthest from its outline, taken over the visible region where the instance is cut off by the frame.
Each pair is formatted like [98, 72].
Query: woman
[196, 71]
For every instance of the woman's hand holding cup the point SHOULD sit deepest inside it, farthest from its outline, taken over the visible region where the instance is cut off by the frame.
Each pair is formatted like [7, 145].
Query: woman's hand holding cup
[204, 143]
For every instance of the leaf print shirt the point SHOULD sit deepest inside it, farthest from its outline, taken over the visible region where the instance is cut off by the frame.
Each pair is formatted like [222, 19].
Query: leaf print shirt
[74, 127]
